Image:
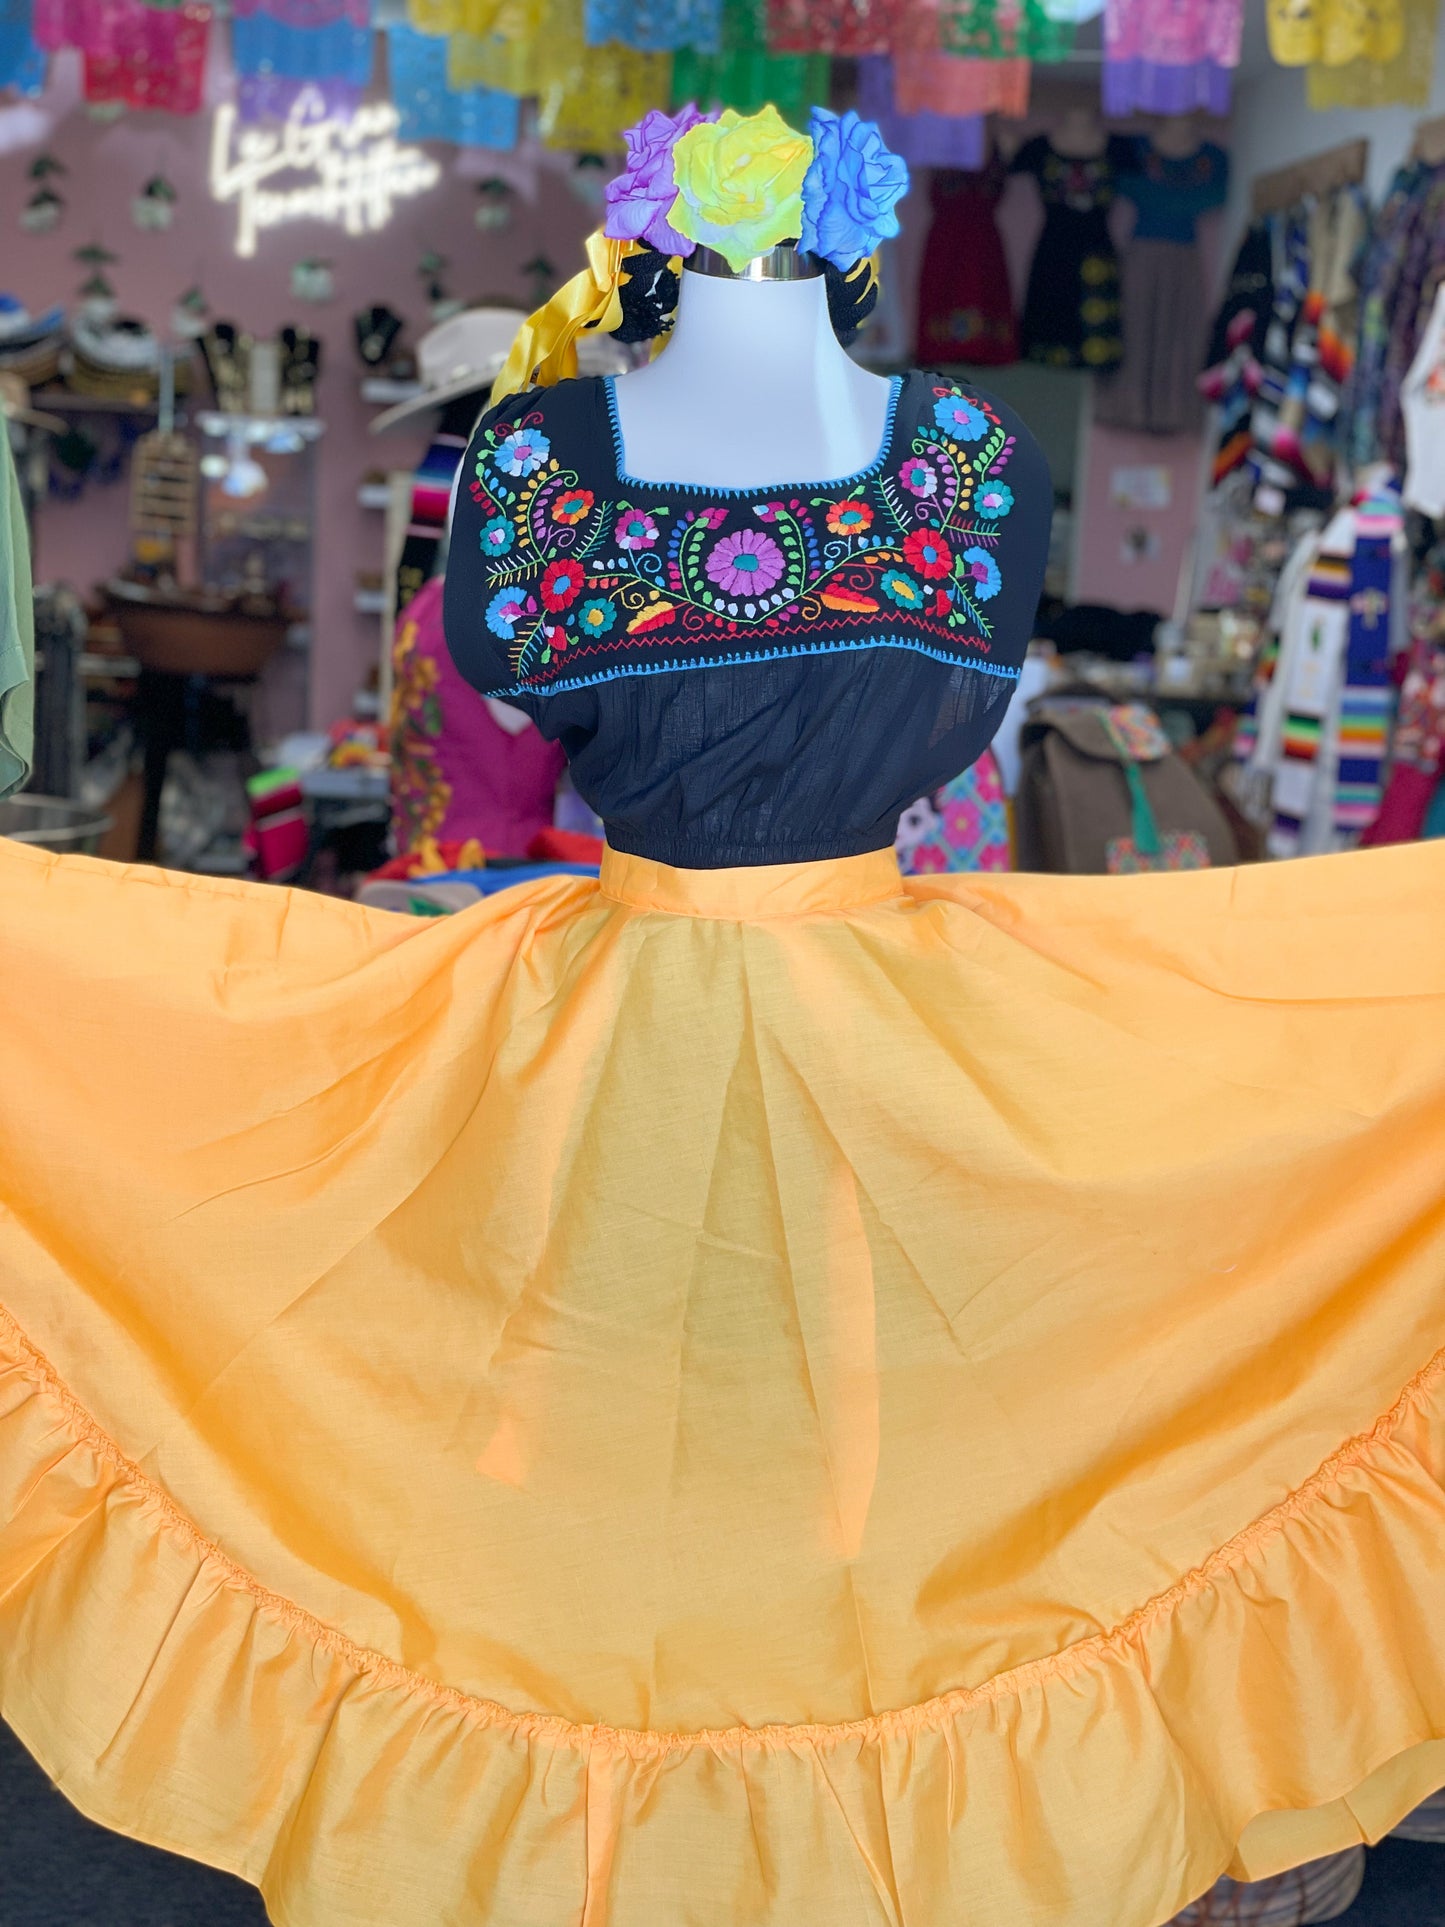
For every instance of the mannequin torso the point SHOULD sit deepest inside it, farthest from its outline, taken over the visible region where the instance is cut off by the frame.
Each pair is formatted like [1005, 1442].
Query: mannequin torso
[752, 388]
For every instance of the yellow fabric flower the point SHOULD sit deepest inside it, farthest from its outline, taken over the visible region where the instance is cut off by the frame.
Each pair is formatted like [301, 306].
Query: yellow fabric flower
[740, 183]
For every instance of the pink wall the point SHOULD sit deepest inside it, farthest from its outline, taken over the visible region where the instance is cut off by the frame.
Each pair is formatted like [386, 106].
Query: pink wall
[85, 541]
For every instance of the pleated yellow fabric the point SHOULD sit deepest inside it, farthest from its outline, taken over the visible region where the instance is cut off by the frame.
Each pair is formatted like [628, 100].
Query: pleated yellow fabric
[772, 1398]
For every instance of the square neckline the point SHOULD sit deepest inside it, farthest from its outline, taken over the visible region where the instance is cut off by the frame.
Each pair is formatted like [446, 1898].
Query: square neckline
[896, 385]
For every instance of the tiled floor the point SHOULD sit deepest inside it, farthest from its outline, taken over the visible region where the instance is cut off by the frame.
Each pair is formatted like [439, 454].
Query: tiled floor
[56, 1870]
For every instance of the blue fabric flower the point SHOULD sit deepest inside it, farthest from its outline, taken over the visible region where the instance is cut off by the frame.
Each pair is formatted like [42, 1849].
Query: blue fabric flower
[960, 418]
[523, 451]
[981, 573]
[595, 618]
[994, 500]
[497, 536]
[505, 611]
[902, 589]
[851, 189]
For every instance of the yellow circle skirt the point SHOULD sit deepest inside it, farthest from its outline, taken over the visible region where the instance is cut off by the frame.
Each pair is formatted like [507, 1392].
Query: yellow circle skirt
[777, 1398]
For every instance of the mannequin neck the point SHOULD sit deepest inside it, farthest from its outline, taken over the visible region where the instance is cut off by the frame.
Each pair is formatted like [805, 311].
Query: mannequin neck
[727, 328]
[751, 389]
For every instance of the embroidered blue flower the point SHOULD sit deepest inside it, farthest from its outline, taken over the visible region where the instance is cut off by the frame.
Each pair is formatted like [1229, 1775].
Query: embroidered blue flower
[505, 611]
[496, 536]
[595, 618]
[960, 418]
[523, 452]
[980, 571]
[994, 500]
[851, 188]
[902, 589]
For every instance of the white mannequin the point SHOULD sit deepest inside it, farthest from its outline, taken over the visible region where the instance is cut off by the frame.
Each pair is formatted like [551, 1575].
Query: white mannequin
[752, 389]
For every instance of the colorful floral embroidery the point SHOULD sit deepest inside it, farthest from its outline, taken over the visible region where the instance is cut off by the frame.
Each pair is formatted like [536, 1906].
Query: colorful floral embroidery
[592, 578]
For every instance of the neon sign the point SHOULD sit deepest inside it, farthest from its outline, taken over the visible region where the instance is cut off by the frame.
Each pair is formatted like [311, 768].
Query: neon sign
[357, 168]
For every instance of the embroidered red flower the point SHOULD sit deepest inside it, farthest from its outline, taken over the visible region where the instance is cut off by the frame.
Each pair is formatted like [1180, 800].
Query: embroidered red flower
[849, 518]
[927, 551]
[573, 505]
[561, 584]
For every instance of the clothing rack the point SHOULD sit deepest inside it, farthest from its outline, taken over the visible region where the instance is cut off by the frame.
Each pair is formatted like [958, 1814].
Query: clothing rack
[1322, 174]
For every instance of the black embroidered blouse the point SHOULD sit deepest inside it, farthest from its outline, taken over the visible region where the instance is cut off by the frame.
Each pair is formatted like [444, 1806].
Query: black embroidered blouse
[759, 675]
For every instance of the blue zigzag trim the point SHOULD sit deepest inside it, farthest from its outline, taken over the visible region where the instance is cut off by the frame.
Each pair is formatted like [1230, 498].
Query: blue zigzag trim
[761, 655]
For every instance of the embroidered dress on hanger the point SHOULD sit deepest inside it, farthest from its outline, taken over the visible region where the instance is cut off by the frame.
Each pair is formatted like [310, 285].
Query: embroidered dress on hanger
[1164, 317]
[965, 305]
[1071, 316]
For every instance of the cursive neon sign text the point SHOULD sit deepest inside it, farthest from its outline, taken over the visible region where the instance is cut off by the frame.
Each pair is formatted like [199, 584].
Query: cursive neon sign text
[357, 168]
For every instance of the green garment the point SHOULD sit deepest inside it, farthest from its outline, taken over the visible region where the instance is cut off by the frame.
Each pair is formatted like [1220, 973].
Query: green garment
[744, 75]
[17, 630]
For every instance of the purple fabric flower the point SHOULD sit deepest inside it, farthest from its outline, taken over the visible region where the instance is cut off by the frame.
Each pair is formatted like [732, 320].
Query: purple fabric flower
[640, 199]
[635, 530]
[918, 477]
[748, 563]
[851, 190]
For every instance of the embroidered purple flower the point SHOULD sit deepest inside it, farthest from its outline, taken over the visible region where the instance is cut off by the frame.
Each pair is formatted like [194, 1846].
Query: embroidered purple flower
[902, 589]
[496, 536]
[640, 199]
[960, 418]
[595, 618]
[851, 189]
[748, 563]
[994, 500]
[523, 452]
[919, 477]
[980, 569]
[506, 610]
[635, 530]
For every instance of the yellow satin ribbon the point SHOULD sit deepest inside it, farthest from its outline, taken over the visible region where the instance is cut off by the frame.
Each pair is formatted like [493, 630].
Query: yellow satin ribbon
[545, 350]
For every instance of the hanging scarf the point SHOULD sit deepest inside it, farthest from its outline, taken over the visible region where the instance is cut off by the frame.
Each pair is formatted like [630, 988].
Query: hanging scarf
[1367, 699]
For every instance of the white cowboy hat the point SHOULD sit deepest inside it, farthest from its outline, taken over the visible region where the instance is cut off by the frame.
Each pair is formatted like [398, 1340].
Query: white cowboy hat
[460, 356]
[464, 355]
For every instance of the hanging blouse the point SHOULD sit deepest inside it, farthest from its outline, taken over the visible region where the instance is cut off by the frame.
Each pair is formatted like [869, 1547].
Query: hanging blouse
[22, 58]
[1335, 31]
[262, 43]
[933, 83]
[503, 53]
[835, 26]
[654, 26]
[158, 60]
[430, 111]
[1405, 81]
[1003, 30]
[1170, 56]
[744, 75]
[269, 96]
[924, 140]
[838, 607]
[587, 95]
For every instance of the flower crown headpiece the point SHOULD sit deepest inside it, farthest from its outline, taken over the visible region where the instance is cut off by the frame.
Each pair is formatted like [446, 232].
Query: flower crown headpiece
[739, 184]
